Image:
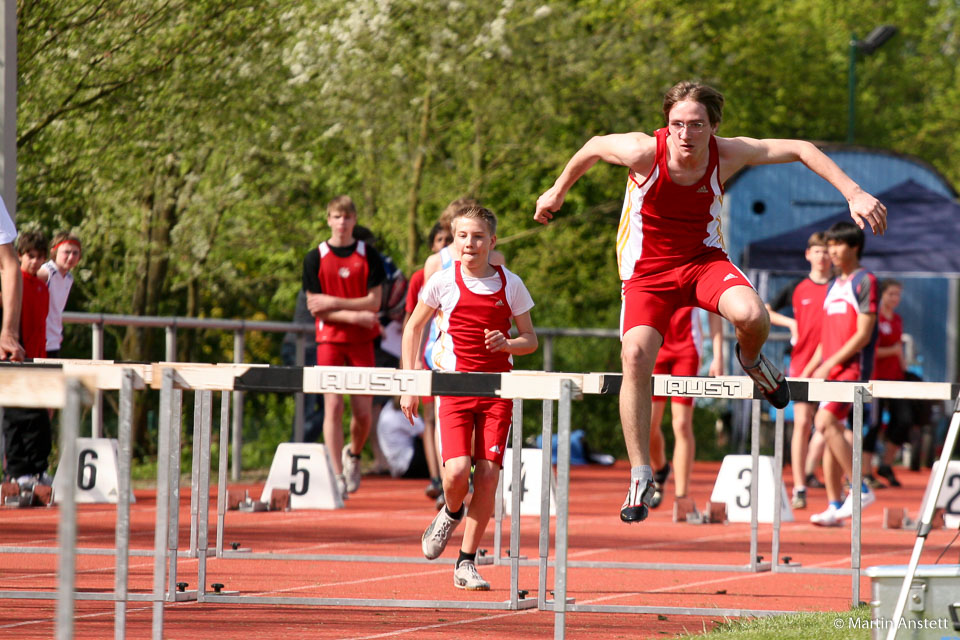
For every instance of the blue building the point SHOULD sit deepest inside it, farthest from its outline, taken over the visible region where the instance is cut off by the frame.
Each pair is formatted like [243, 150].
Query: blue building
[765, 201]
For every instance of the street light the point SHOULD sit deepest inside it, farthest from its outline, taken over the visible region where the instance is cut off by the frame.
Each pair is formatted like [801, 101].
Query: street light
[877, 38]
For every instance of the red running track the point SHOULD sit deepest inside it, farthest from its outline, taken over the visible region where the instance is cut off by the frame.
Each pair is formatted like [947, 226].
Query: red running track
[386, 517]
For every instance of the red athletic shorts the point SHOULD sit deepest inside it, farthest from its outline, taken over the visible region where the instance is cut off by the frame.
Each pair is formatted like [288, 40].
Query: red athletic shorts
[474, 427]
[677, 366]
[841, 409]
[345, 354]
[650, 300]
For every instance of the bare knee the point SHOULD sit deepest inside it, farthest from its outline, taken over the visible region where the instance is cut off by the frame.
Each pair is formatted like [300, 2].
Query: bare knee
[486, 475]
[456, 471]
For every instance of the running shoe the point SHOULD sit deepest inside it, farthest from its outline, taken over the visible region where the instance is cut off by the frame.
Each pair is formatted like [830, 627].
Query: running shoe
[826, 518]
[771, 382]
[437, 535]
[342, 487]
[467, 577]
[351, 469]
[434, 489]
[638, 501]
[885, 471]
[813, 482]
[660, 479]
[799, 499]
[867, 498]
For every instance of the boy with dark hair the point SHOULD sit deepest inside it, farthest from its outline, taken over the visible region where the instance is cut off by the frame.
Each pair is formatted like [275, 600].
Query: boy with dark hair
[343, 278]
[474, 302]
[847, 342]
[27, 432]
[805, 297]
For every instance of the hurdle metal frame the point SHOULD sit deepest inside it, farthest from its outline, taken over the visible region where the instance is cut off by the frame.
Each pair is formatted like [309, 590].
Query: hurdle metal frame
[71, 394]
[176, 377]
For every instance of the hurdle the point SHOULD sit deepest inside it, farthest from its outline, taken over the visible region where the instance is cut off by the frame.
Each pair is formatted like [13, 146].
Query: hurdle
[51, 388]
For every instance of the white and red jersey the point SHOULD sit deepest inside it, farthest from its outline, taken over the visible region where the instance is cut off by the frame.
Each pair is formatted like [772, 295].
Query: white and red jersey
[465, 307]
[684, 337]
[890, 332]
[845, 301]
[664, 224]
[344, 277]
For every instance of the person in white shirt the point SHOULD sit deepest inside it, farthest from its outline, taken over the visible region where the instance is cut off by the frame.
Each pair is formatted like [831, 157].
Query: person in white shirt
[64, 256]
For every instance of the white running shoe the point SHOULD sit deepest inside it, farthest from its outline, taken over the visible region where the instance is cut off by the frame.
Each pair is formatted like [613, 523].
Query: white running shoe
[437, 535]
[845, 511]
[342, 487]
[351, 469]
[467, 577]
[826, 518]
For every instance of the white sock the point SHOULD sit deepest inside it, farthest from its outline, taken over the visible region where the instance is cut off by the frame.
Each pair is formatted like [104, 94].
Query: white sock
[643, 472]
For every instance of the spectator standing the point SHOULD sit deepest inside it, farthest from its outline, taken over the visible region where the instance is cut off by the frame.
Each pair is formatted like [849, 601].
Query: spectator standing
[805, 298]
[343, 278]
[65, 254]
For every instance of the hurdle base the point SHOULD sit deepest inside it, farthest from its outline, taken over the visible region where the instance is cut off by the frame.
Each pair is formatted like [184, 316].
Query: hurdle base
[183, 596]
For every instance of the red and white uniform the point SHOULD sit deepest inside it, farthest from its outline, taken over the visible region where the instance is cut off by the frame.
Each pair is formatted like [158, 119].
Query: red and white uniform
[465, 308]
[681, 350]
[890, 332]
[846, 300]
[806, 298]
[669, 243]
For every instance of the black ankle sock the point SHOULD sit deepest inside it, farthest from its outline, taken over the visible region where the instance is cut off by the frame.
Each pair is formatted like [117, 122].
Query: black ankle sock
[457, 515]
[472, 557]
[660, 475]
[355, 456]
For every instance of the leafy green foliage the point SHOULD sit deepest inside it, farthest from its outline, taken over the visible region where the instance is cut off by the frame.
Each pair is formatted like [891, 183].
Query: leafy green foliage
[193, 144]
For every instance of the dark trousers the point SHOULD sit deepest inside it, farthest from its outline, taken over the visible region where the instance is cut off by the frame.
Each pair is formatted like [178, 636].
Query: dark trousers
[28, 439]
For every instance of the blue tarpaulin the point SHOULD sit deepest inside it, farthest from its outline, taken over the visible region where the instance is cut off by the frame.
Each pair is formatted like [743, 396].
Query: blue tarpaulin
[923, 228]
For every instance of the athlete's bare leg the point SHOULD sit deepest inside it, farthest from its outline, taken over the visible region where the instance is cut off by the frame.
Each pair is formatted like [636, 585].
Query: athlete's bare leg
[839, 450]
[638, 354]
[742, 307]
[333, 429]
[486, 475]
[658, 446]
[684, 448]
[802, 421]
[814, 452]
[361, 413]
[429, 441]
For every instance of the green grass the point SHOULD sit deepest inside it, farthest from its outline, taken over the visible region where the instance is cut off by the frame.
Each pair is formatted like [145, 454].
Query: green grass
[832, 625]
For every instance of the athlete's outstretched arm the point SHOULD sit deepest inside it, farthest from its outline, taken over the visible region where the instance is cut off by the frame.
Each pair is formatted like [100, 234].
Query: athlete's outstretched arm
[864, 208]
[635, 150]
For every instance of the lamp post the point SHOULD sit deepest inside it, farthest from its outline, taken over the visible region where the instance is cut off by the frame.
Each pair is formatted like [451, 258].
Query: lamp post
[877, 38]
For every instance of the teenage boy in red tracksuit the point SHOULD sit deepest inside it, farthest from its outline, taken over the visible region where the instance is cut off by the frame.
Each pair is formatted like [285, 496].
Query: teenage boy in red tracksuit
[474, 302]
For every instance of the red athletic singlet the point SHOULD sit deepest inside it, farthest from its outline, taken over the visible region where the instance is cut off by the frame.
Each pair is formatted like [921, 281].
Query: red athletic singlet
[467, 321]
[663, 224]
[344, 278]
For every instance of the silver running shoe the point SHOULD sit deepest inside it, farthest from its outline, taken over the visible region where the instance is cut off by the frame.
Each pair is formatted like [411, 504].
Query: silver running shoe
[467, 577]
[639, 499]
[351, 469]
[772, 384]
[342, 487]
[437, 535]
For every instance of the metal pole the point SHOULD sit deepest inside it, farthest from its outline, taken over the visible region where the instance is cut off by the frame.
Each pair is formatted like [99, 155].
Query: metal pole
[546, 479]
[298, 399]
[237, 410]
[204, 490]
[515, 498]
[222, 468]
[170, 343]
[163, 504]
[96, 422]
[754, 477]
[124, 435]
[856, 483]
[548, 353]
[173, 477]
[852, 88]
[778, 489]
[563, 505]
[67, 536]
[195, 470]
